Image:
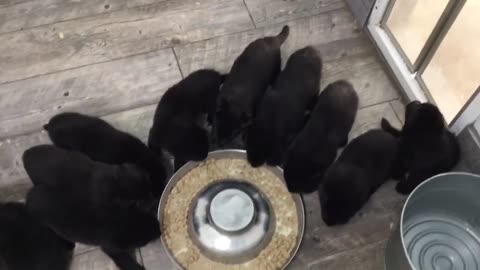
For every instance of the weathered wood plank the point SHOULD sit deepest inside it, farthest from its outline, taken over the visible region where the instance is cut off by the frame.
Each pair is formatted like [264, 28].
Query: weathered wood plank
[8, 3]
[317, 31]
[373, 223]
[370, 257]
[399, 108]
[154, 256]
[346, 53]
[40, 12]
[98, 89]
[32, 13]
[370, 117]
[95, 260]
[137, 122]
[11, 166]
[14, 193]
[267, 12]
[372, 84]
[359, 11]
[116, 35]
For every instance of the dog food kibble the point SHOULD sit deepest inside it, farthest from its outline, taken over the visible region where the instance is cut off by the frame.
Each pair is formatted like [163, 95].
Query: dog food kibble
[278, 251]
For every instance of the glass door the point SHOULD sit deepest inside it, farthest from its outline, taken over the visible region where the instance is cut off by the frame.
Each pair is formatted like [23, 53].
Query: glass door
[452, 75]
[433, 49]
[410, 24]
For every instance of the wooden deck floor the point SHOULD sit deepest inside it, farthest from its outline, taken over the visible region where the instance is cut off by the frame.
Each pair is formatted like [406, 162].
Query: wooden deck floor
[115, 59]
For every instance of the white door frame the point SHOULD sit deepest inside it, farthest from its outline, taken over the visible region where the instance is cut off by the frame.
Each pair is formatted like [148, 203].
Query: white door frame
[405, 77]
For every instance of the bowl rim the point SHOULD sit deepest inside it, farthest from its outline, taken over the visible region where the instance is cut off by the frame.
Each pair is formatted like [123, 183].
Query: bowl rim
[297, 198]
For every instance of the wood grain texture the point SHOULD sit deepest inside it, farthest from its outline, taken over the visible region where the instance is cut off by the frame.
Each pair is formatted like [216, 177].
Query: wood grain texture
[359, 11]
[370, 117]
[267, 12]
[8, 3]
[11, 151]
[373, 223]
[96, 89]
[95, 260]
[221, 52]
[346, 53]
[370, 257]
[14, 193]
[371, 83]
[399, 108]
[137, 122]
[116, 35]
[32, 13]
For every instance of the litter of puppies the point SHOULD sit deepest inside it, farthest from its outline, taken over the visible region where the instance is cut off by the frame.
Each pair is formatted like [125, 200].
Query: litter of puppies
[99, 186]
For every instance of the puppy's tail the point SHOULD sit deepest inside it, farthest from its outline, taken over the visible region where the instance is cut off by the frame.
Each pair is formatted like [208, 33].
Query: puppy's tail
[280, 38]
[386, 126]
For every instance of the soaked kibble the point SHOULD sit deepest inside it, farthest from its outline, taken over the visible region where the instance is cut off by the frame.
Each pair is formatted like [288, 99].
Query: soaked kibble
[276, 254]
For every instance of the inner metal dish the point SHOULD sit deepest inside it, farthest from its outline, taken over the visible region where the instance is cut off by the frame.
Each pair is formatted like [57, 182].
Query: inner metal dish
[231, 220]
[233, 237]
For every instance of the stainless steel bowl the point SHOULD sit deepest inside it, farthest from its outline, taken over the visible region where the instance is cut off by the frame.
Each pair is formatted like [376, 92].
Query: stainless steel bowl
[230, 221]
[439, 228]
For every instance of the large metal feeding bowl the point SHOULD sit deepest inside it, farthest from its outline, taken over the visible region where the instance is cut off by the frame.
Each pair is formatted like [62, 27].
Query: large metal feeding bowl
[218, 217]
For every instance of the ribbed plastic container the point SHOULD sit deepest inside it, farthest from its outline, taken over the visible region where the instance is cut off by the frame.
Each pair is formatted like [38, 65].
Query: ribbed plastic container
[439, 228]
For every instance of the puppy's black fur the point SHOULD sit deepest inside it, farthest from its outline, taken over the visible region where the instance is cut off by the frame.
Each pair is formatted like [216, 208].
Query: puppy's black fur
[282, 111]
[25, 244]
[118, 230]
[179, 121]
[427, 147]
[78, 175]
[365, 164]
[251, 73]
[315, 147]
[101, 142]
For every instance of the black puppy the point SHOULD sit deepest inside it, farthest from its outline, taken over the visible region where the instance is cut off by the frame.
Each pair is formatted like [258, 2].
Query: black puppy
[101, 142]
[251, 73]
[315, 147]
[178, 124]
[365, 164]
[25, 244]
[282, 111]
[75, 173]
[427, 147]
[118, 230]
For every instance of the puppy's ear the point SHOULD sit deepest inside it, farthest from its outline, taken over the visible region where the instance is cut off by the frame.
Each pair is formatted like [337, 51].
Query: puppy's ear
[437, 120]
[410, 110]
